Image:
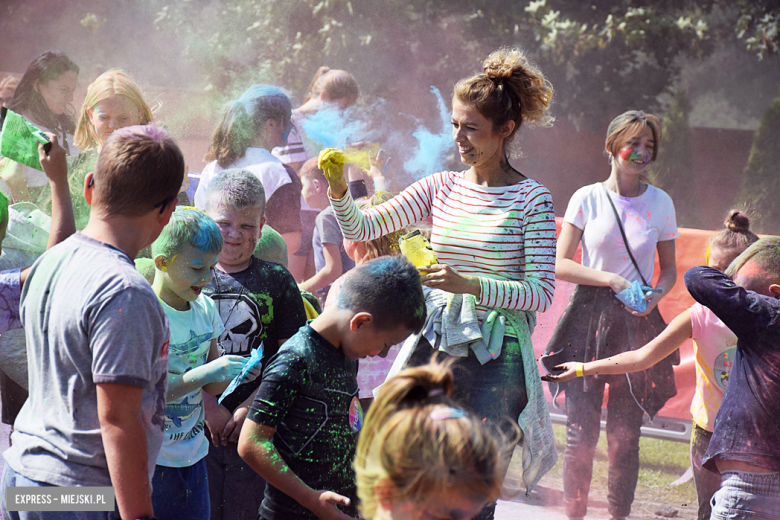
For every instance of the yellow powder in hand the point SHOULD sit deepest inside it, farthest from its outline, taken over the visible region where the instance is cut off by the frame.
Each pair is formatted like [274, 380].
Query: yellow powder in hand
[331, 161]
[417, 249]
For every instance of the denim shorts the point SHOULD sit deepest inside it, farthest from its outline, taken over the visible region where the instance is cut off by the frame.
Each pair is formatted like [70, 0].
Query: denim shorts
[13, 479]
[747, 495]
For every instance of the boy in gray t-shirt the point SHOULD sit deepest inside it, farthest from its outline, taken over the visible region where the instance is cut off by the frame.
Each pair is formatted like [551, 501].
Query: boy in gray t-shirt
[97, 337]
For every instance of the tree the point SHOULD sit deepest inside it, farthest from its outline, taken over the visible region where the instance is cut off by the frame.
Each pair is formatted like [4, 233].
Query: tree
[761, 182]
[672, 170]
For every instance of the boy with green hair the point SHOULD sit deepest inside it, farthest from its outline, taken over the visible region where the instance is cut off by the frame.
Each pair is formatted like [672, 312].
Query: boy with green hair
[185, 254]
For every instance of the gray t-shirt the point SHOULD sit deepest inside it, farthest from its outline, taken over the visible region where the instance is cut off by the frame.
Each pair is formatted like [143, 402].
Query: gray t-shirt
[327, 231]
[89, 318]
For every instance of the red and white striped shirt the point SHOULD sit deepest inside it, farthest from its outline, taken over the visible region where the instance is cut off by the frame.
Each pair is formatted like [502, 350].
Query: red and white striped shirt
[504, 235]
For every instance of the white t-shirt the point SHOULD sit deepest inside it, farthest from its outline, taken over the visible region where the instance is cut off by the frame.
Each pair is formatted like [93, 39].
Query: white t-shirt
[647, 220]
[191, 334]
[266, 167]
[296, 150]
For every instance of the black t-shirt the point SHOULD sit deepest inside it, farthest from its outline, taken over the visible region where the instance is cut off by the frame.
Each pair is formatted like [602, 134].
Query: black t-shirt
[261, 304]
[309, 394]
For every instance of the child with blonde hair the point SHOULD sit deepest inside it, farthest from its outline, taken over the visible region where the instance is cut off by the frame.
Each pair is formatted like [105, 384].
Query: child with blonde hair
[423, 456]
[328, 87]
[331, 260]
[113, 101]
[714, 346]
[185, 254]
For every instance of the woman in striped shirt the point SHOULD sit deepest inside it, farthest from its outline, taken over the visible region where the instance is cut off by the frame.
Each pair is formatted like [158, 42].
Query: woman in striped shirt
[493, 230]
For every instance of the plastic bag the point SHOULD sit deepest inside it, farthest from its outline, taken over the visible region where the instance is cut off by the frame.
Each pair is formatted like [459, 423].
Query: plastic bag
[416, 248]
[254, 361]
[634, 296]
[19, 139]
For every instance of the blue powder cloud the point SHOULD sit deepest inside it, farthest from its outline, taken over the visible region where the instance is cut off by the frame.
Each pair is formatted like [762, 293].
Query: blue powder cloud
[432, 148]
[332, 127]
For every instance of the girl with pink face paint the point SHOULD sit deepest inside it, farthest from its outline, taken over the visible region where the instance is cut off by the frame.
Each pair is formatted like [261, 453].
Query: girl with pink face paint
[621, 223]
[714, 347]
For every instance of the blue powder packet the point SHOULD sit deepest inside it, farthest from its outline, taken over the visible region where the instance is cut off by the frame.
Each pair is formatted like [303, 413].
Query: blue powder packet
[634, 296]
[254, 361]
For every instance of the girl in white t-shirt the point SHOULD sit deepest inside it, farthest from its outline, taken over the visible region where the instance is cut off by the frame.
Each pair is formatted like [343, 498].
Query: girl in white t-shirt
[596, 325]
[250, 127]
[714, 346]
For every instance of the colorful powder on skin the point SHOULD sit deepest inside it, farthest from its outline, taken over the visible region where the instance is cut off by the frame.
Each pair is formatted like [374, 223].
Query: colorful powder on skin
[630, 155]
[428, 158]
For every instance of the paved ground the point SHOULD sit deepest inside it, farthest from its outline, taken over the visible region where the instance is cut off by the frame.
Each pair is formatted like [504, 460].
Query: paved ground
[544, 503]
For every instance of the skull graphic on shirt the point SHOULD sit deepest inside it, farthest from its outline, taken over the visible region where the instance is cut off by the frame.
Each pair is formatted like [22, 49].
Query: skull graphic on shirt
[243, 325]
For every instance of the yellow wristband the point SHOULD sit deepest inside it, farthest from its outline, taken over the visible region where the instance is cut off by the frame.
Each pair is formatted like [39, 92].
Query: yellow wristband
[580, 369]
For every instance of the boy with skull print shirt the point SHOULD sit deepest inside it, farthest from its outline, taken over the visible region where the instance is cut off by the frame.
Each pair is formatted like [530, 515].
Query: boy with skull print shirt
[260, 304]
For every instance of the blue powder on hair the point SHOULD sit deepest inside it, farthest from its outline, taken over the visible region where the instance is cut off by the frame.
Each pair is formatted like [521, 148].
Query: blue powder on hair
[260, 91]
[203, 240]
[428, 158]
[205, 234]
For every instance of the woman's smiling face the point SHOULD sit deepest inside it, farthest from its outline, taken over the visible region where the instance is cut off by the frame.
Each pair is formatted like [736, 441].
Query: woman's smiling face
[636, 154]
[477, 142]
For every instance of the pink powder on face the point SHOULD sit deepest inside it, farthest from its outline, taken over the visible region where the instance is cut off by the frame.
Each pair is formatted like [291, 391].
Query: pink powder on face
[629, 154]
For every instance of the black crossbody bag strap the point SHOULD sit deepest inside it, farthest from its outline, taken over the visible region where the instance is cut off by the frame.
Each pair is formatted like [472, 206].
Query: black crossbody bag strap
[623, 233]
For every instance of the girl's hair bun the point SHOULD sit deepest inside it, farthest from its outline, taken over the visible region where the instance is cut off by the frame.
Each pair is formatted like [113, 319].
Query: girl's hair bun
[737, 221]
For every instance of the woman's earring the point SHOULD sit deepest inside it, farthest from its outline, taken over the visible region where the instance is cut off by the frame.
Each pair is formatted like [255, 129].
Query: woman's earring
[609, 159]
[163, 268]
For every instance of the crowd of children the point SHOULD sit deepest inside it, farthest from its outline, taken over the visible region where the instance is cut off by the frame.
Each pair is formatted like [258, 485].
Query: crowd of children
[172, 355]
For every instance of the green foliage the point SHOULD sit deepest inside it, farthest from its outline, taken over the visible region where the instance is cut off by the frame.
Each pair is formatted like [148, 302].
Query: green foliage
[759, 26]
[602, 56]
[673, 168]
[761, 180]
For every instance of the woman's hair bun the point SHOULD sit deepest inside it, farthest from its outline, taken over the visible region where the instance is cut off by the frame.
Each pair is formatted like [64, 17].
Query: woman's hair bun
[501, 65]
[737, 221]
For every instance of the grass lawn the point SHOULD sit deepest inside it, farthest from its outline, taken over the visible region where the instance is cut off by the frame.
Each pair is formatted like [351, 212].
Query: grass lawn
[661, 463]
